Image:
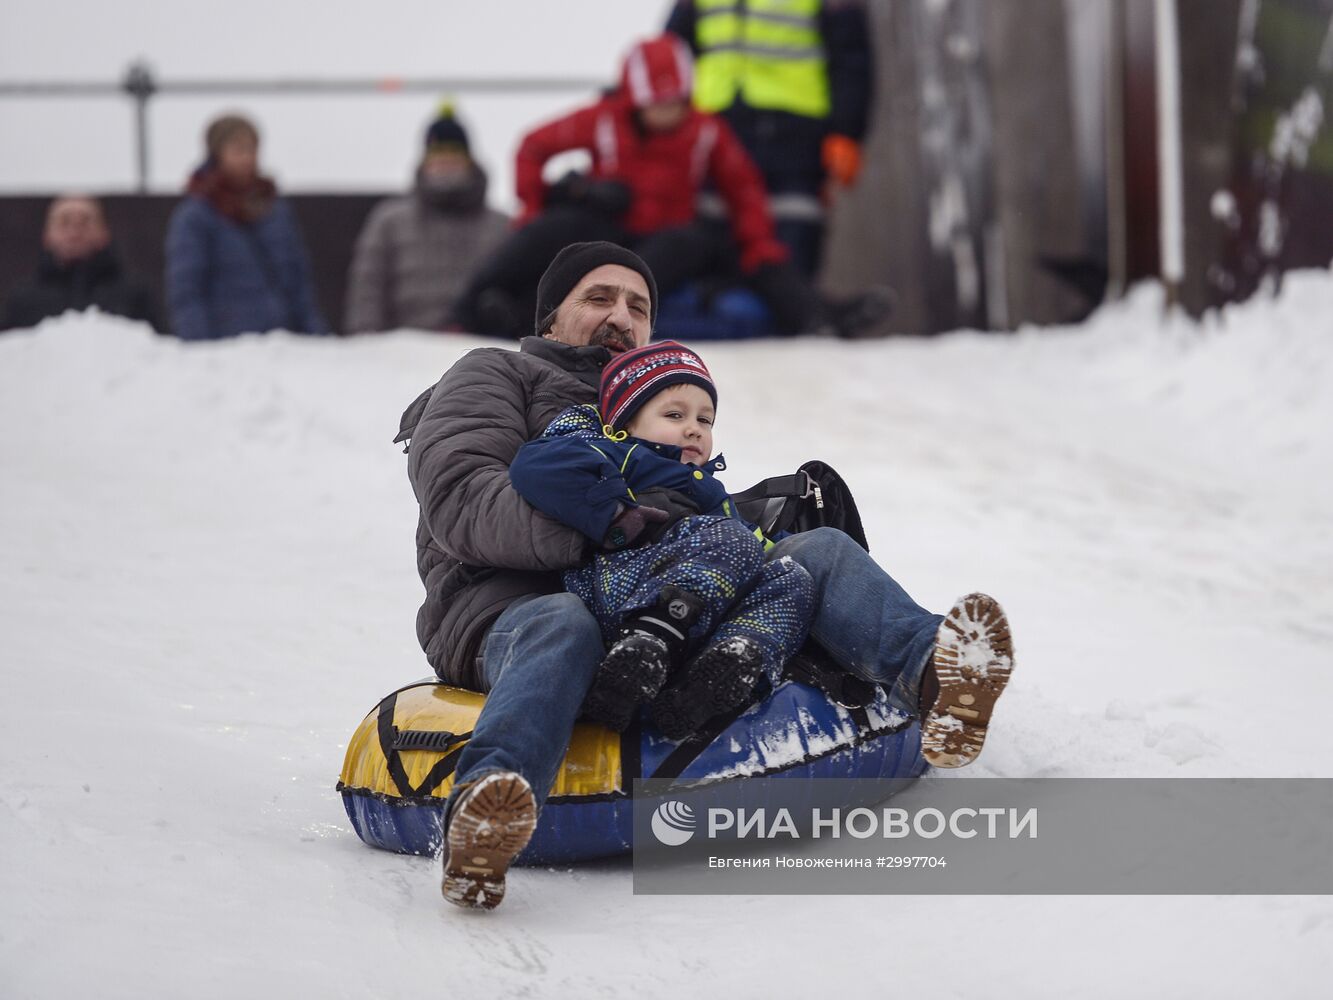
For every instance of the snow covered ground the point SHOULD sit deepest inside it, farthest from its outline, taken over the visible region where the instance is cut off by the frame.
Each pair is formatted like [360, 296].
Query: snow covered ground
[207, 579]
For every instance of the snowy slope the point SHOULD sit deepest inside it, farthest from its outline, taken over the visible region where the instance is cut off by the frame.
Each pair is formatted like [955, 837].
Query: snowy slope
[207, 579]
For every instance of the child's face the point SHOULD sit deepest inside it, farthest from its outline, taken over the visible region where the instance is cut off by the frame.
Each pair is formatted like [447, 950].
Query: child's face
[681, 415]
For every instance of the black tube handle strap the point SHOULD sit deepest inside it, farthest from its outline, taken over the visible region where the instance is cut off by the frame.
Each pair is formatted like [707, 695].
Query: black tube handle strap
[420, 739]
[393, 741]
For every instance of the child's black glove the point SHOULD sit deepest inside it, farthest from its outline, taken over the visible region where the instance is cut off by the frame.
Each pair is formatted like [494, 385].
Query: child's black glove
[632, 525]
[678, 505]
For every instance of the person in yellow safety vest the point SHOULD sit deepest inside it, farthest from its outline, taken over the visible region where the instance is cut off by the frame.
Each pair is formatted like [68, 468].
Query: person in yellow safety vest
[794, 79]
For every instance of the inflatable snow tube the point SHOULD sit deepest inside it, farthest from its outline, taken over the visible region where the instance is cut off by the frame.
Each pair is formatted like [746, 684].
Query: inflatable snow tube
[399, 766]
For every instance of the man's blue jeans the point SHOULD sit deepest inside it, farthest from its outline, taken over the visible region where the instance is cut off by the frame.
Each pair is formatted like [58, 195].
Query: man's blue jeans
[866, 621]
[540, 657]
[538, 660]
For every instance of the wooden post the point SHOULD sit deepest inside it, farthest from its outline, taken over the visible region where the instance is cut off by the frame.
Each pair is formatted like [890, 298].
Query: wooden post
[878, 229]
[1039, 209]
[1117, 207]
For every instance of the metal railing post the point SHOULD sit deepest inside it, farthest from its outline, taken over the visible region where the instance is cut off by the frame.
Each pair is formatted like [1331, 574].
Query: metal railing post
[139, 84]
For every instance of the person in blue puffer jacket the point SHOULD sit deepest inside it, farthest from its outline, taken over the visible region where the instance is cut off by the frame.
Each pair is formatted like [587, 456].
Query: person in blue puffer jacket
[235, 259]
[676, 568]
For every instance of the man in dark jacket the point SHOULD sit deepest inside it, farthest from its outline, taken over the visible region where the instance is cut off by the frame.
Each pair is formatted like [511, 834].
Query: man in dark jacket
[78, 269]
[495, 617]
[496, 620]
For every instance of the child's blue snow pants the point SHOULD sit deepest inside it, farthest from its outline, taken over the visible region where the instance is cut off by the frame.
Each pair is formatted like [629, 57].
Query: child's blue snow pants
[720, 561]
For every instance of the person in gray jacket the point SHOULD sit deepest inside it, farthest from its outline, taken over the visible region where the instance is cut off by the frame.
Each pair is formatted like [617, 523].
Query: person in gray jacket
[415, 253]
[496, 620]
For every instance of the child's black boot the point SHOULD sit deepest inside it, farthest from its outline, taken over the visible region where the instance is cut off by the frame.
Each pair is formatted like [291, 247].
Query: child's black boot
[721, 678]
[649, 646]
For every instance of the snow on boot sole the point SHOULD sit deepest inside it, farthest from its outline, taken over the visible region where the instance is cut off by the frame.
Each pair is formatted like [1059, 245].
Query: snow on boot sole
[489, 826]
[719, 679]
[973, 658]
[634, 670]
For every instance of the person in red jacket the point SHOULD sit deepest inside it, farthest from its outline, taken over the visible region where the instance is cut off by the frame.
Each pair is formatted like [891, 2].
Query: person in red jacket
[652, 153]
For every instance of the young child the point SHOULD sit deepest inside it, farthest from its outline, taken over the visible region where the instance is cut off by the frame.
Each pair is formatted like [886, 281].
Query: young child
[677, 568]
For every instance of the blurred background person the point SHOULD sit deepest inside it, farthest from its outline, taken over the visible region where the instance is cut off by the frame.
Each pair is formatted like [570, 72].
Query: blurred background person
[652, 153]
[78, 268]
[415, 252]
[794, 79]
[235, 261]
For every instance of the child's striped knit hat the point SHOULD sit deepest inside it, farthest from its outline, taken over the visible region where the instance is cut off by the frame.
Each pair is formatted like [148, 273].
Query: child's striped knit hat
[631, 379]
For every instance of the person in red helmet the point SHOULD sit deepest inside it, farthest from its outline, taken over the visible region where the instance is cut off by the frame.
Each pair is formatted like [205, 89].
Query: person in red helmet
[651, 153]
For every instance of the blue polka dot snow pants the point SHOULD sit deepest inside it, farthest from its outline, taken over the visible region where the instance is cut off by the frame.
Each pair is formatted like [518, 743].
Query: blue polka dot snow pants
[720, 561]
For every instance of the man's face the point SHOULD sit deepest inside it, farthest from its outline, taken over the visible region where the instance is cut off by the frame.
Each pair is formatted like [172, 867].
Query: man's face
[75, 229]
[609, 307]
[665, 115]
[446, 164]
[681, 415]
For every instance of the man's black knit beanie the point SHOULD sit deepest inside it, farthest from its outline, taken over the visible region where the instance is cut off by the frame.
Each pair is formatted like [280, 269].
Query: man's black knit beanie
[576, 260]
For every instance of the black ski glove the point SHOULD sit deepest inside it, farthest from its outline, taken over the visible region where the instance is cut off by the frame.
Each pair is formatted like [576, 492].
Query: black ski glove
[605, 197]
[677, 505]
[631, 525]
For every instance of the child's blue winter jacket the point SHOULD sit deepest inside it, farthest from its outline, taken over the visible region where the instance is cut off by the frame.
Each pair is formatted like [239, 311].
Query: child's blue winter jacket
[579, 475]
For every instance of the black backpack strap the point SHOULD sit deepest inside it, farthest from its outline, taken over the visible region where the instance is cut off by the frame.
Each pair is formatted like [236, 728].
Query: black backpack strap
[814, 497]
[773, 504]
[795, 485]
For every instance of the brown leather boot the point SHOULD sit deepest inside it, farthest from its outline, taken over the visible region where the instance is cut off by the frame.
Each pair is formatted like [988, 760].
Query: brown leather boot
[488, 826]
[973, 658]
